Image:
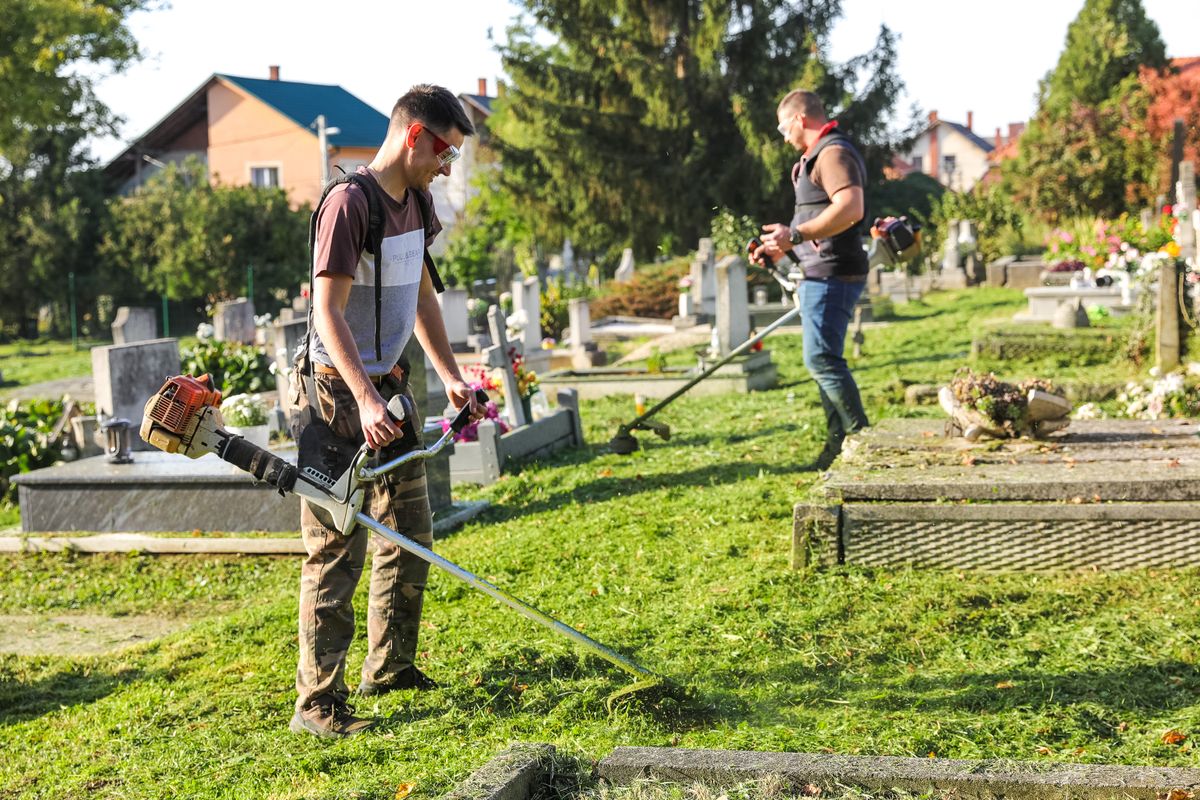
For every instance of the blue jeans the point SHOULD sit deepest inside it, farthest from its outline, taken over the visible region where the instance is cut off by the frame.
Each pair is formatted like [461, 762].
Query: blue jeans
[826, 307]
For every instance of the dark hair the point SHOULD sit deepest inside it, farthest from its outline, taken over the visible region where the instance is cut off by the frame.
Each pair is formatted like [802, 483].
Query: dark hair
[802, 101]
[433, 105]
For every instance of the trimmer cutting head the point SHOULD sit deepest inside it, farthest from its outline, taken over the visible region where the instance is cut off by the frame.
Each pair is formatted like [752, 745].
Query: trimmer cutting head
[625, 443]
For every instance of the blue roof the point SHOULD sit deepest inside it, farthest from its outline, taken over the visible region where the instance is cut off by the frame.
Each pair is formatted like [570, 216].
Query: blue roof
[359, 125]
[481, 100]
[967, 132]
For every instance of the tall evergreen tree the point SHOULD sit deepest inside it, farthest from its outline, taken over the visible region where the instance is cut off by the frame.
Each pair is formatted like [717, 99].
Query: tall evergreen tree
[636, 120]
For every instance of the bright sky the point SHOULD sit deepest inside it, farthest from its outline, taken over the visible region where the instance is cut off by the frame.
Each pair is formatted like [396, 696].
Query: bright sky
[954, 56]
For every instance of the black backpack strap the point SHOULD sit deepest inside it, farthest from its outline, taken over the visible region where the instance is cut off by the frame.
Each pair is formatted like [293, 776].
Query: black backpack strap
[427, 221]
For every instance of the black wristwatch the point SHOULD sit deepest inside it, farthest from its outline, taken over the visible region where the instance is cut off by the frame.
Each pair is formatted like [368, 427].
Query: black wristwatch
[796, 237]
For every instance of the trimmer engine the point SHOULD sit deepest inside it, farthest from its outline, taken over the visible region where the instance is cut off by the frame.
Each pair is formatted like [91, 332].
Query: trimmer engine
[184, 417]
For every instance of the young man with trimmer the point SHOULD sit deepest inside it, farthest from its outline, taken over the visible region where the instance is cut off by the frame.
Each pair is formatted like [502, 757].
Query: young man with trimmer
[373, 286]
[824, 233]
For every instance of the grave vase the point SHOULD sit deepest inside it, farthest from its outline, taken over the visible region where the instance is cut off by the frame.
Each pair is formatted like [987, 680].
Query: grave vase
[254, 434]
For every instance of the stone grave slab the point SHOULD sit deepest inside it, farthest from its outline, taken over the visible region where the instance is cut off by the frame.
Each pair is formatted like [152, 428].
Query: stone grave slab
[1108, 494]
[126, 375]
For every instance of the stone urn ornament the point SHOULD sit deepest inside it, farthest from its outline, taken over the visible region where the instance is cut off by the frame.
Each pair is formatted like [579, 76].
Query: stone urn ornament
[982, 405]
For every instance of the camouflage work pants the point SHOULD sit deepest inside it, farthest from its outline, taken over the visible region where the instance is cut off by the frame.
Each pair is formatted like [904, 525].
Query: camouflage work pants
[335, 563]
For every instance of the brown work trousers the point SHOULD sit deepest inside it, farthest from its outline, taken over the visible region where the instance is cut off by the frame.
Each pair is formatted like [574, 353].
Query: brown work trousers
[335, 562]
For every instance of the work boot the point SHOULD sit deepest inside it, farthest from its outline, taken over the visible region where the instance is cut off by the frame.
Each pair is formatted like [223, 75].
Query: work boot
[329, 721]
[822, 462]
[409, 678]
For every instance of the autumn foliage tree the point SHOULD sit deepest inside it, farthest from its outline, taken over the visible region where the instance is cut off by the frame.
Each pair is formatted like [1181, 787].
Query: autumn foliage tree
[1076, 157]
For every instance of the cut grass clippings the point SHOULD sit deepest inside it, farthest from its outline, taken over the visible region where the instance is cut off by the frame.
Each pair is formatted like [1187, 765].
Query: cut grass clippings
[676, 556]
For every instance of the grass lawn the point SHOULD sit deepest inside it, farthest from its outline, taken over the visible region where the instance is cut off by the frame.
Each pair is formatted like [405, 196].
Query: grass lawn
[677, 556]
[25, 363]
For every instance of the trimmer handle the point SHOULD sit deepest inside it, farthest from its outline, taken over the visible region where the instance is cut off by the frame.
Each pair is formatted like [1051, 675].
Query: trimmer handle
[464, 414]
[757, 242]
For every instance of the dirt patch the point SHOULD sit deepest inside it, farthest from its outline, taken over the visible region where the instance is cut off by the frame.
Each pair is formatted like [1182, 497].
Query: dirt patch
[80, 634]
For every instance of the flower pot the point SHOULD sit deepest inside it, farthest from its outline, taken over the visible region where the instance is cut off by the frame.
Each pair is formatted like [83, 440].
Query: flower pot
[254, 434]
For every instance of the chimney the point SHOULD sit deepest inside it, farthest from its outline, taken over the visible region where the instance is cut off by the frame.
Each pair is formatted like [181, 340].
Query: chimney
[934, 168]
[483, 87]
[970, 120]
[999, 140]
[1015, 129]
[274, 72]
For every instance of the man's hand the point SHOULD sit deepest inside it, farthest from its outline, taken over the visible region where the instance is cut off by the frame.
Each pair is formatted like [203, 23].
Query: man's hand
[377, 425]
[777, 239]
[460, 394]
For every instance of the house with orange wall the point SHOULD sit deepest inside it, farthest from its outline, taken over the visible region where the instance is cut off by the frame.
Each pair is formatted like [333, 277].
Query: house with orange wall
[256, 131]
[263, 132]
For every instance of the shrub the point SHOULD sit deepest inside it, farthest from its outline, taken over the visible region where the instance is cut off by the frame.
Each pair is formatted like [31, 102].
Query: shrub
[653, 292]
[235, 368]
[25, 442]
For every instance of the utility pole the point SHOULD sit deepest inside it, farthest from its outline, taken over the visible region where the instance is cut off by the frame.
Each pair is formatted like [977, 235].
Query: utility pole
[323, 134]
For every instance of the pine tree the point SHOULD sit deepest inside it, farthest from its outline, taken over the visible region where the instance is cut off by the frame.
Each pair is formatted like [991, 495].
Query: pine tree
[640, 118]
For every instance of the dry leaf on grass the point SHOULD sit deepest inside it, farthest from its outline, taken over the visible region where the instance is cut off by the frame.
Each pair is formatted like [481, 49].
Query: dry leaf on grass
[1004, 685]
[404, 790]
[1174, 736]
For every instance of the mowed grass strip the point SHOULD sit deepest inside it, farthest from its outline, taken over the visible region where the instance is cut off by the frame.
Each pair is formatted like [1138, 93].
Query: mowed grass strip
[677, 556]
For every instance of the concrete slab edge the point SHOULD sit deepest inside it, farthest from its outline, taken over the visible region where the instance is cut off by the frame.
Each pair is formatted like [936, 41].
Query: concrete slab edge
[1012, 780]
[225, 545]
[514, 774]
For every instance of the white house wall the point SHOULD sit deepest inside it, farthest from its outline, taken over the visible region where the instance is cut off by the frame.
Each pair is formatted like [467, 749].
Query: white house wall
[971, 162]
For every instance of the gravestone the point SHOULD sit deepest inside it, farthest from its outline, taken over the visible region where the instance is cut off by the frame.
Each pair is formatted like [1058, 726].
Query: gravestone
[1185, 191]
[527, 297]
[568, 260]
[584, 352]
[1166, 344]
[1070, 314]
[288, 336]
[952, 275]
[733, 312]
[126, 375]
[133, 324]
[455, 317]
[626, 267]
[233, 321]
[496, 357]
[704, 281]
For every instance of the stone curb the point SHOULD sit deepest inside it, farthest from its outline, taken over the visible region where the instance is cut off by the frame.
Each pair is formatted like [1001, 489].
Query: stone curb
[225, 545]
[512, 775]
[1012, 780]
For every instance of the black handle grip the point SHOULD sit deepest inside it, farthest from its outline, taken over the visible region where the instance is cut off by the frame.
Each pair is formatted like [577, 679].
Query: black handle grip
[262, 464]
[464, 413]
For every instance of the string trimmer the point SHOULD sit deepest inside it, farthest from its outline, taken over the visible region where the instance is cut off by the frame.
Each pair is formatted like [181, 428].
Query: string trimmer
[184, 418]
[624, 442]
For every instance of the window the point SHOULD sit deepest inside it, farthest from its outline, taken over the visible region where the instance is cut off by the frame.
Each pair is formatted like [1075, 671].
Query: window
[264, 177]
[918, 164]
[949, 164]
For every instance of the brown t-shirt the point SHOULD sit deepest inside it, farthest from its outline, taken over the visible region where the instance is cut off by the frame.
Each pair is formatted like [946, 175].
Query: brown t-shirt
[836, 169]
[341, 231]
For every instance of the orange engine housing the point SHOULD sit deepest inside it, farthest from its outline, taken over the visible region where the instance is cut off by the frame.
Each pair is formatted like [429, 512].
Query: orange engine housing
[180, 398]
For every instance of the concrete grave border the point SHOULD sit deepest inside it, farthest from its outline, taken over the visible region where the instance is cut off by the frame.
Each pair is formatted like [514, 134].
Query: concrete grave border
[463, 512]
[995, 778]
[515, 774]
